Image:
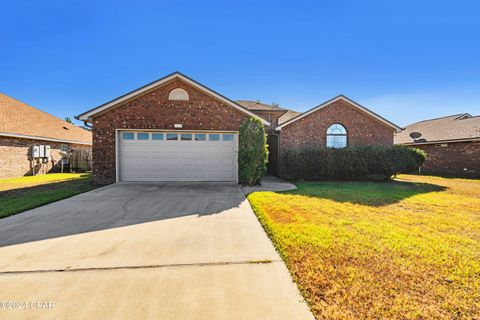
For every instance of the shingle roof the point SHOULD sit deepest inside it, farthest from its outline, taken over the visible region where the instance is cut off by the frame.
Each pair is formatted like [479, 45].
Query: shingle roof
[455, 127]
[260, 106]
[290, 114]
[257, 105]
[20, 119]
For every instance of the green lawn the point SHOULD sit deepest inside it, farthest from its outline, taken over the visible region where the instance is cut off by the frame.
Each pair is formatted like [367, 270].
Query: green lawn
[408, 249]
[20, 194]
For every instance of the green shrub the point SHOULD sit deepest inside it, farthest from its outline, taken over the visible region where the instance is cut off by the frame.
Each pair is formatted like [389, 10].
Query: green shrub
[252, 152]
[352, 163]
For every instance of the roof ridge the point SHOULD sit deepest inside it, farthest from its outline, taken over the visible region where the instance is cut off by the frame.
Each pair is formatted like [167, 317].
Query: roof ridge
[260, 103]
[471, 117]
[439, 118]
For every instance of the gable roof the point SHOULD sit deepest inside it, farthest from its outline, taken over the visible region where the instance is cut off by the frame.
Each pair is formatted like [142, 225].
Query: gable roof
[457, 127]
[260, 106]
[351, 102]
[290, 114]
[18, 119]
[87, 116]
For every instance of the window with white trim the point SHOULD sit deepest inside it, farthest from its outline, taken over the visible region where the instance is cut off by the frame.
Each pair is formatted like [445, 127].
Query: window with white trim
[142, 136]
[128, 136]
[228, 137]
[178, 94]
[157, 136]
[200, 137]
[172, 136]
[336, 136]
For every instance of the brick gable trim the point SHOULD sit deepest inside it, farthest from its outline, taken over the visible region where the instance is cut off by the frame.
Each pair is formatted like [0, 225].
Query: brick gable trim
[349, 101]
[87, 116]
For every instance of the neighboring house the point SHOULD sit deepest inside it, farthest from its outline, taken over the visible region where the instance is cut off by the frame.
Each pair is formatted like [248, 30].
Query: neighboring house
[176, 129]
[24, 128]
[452, 144]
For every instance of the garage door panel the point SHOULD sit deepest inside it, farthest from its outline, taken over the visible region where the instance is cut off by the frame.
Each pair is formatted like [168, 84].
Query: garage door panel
[177, 160]
[214, 175]
[200, 175]
[214, 149]
[199, 163]
[228, 163]
[228, 175]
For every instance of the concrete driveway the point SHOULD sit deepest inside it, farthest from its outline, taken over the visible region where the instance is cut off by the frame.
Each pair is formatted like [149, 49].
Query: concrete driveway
[144, 251]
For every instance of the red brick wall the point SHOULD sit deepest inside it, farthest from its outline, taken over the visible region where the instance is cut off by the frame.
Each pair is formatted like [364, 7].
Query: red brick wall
[453, 159]
[16, 161]
[311, 131]
[153, 110]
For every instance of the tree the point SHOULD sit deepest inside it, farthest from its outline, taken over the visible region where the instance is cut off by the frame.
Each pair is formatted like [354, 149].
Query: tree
[69, 120]
[252, 153]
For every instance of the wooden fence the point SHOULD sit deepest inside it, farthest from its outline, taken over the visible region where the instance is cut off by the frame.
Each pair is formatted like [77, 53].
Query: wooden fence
[81, 160]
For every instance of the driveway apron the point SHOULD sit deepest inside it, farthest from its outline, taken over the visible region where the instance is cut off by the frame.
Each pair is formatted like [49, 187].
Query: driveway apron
[144, 251]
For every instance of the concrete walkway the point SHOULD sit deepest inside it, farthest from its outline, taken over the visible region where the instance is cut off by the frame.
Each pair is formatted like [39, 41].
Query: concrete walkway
[271, 183]
[145, 251]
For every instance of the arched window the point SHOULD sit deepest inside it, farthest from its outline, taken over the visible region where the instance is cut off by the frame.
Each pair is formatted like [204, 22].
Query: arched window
[178, 94]
[336, 136]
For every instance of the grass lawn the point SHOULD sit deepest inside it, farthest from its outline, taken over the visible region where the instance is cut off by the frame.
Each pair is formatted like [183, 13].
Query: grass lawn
[408, 249]
[20, 194]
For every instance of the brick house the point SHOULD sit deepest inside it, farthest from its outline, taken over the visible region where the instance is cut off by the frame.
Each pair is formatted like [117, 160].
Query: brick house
[452, 144]
[176, 129]
[336, 123]
[24, 128]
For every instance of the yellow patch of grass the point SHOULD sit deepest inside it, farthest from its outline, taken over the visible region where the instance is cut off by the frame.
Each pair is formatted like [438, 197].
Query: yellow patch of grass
[408, 249]
[20, 194]
[29, 181]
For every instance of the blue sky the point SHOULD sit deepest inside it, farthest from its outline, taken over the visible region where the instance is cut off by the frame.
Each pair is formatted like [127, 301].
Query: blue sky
[406, 60]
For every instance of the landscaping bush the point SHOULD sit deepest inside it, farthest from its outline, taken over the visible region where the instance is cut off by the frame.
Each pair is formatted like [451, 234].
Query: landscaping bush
[252, 152]
[352, 163]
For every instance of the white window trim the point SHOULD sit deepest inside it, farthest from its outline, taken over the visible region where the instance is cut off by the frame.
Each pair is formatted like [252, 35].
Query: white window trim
[336, 135]
[178, 92]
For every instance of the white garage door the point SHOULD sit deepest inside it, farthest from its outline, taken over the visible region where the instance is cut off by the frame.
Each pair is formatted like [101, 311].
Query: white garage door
[177, 156]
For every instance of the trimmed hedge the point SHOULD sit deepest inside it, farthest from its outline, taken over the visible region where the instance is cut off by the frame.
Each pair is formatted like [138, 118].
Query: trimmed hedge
[352, 163]
[252, 152]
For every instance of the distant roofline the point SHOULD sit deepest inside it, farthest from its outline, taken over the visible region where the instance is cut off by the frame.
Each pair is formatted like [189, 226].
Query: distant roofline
[261, 103]
[458, 115]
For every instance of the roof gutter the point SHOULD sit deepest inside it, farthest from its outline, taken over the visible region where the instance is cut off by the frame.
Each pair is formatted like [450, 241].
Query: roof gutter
[439, 141]
[24, 136]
